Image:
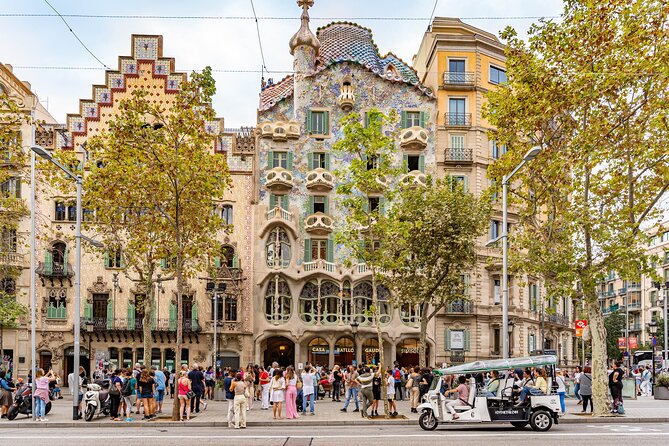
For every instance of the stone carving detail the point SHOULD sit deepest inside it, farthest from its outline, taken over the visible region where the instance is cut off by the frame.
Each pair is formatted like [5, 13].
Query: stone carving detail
[99, 286]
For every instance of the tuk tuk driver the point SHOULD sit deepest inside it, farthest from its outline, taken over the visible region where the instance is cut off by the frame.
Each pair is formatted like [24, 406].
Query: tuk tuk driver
[463, 396]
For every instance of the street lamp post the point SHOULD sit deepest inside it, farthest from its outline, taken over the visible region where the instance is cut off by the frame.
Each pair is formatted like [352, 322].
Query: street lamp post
[529, 156]
[354, 331]
[77, 270]
[510, 327]
[652, 329]
[664, 287]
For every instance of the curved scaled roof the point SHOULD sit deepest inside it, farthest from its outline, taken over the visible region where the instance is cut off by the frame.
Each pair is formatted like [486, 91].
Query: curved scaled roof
[348, 42]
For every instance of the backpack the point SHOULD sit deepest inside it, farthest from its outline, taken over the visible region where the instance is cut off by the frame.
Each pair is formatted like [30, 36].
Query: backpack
[398, 375]
[126, 388]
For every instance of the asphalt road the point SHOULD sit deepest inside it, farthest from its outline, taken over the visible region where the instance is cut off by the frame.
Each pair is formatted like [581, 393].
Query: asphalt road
[567, 435]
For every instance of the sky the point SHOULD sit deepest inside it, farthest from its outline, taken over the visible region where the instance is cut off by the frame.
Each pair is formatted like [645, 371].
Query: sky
[223, 44]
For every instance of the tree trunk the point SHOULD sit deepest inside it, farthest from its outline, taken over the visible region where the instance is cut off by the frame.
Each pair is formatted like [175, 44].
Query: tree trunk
[599, 375]
[2, 350]
[180, 319]
[147, 321]
[379, 337]
[422, 350]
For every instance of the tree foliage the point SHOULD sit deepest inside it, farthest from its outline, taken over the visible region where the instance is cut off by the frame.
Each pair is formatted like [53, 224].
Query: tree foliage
[153, 188]
[615, 328]
[368, 152]
[592, 91]
[433, 231]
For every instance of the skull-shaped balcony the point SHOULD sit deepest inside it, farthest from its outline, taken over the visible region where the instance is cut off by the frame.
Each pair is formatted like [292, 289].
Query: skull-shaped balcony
[413, 179]
[279, 179]
[280, 131]
[413, 138]
[346, 97]
[320, 180]
[318, 224]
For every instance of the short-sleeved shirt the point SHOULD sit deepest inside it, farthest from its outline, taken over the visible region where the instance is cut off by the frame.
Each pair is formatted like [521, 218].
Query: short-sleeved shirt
[196, 379]
[463, 393]
[619, 381]
[390, 390]
[146, 387]
[264, 377]
[160, 380]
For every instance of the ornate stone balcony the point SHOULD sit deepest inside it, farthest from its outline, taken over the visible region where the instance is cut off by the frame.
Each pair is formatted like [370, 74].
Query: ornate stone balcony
[320, 180]
[14, 259]
[318, 224]
[414, 178]
[279, 179]
[413, 138]
[280, 213]
[346, 97]
[320, 264]
[280, 131]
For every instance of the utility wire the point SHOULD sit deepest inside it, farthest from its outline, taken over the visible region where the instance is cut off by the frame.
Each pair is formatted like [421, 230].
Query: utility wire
[262, 54]
[53, 67]
[75, 34]
[212, 17]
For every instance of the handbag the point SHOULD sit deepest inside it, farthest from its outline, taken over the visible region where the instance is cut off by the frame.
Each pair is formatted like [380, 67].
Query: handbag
[299, 384]
[190, 395]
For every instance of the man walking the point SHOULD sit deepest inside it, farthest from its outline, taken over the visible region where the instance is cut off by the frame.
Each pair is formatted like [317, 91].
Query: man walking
[352, 386]
[397, 375]
[366, 393]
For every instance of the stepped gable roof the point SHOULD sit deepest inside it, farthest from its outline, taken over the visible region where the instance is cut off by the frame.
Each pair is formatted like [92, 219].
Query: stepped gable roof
[348, 42]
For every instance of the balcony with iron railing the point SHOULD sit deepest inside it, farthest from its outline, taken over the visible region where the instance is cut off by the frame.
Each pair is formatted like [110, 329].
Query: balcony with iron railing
[557, 319]
[54, 270]
[460, 306]
[634, 306]
[634, 327]
[14, 259]
[452, 120]
[101, 324]
[459, 79]
[458, 155]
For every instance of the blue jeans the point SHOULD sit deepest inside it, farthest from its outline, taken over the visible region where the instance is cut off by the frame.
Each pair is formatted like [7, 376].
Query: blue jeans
[577, 389]
[40, 407]
[529, 391]
[562, 406]
[352, 393]
[310, 403]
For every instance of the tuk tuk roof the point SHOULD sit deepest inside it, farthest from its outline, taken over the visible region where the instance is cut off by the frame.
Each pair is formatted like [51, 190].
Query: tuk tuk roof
[499, 364]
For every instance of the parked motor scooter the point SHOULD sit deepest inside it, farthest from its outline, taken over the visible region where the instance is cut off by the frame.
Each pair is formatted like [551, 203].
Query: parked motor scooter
[23, 403]
[97, 400]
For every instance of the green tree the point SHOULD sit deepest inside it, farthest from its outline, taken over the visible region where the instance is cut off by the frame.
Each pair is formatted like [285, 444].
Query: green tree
[433, 231]
[10, 312]
[592, 91]
[369, 173]
[615, 328]
[156, 171]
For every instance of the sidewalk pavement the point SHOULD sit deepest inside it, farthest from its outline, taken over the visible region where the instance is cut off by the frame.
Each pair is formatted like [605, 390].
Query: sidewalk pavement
[327, 413]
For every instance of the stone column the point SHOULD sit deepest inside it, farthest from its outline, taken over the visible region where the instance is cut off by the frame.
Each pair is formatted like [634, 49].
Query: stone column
[120, 358]
[331, 356]
[134, 357]
[393, 353]
[162, 358]
[298, 353]
[358, 349]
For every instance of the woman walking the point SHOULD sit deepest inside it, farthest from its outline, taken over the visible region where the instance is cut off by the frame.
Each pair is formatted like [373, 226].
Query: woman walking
[238, 387]
[209, 381]
[586, 389]
[278, 386]
[6, 398]
[42, 393]
[616, 386]
[147, 388]
[291, 393]
[183, 389]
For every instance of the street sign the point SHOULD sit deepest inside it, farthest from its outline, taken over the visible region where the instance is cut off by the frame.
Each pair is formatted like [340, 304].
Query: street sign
[580, 325]
[654, 341]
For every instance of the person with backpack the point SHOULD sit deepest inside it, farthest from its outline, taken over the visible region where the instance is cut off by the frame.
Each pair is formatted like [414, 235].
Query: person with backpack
[397, 376]
[115, 395]
[561, 388]
[128, 392]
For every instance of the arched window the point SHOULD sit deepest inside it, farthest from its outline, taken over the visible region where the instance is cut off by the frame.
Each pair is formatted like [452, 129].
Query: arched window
[309, 303]
[278, 301]
[277, 249]
[330, 302]
[362, 304]
[410, 314]
[226, 214]
[59, 257]
[228, 257]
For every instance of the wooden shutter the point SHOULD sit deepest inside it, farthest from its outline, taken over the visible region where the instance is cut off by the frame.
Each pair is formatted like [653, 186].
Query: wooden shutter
[447, 339]
[110, 314]
[284, 202]
[329, 250]
[173, 316]
[382, 205]
[65, 261]
[326, 123]
[422, 119]
[235, 260]
[163, 263]
[326, 205]
[307, 250]
[311, 204]
[88, 310]
[366, 119]
[272, 201]
[217, 262]
[405, 160]
[131, 315]
[309, 130]
[421, 163]
[404, 119]
[106, 259]
[467, 340]
[310, 161]
[327, 161]
[193, 315]
[270, 159]
[289, 161]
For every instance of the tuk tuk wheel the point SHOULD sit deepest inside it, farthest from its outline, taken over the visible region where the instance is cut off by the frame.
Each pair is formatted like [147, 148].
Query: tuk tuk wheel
[541, 420]
[519, 424]
[427, 421]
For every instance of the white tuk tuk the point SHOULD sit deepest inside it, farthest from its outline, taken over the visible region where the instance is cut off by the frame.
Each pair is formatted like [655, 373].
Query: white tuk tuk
[540, 413]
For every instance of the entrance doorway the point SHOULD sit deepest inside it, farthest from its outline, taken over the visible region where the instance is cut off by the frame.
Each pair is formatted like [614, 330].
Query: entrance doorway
[281, 350]
[319, 352]
[45, 361]
[68, 362]
[344, 353]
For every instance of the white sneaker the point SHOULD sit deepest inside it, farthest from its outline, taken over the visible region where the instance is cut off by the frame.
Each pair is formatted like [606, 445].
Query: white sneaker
[44, 419]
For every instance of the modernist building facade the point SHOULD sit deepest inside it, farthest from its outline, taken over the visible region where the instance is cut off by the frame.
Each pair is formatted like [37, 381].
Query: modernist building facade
[112, 310]
[462, 63]
[305, 297]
